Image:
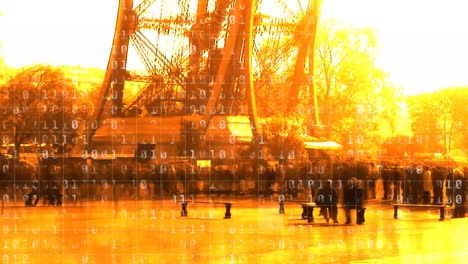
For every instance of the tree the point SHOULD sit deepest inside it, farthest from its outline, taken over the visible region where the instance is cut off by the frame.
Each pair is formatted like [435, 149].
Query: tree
[358, 105]
[42, 109]
[285, 139]
[439, 118]
[3, 71]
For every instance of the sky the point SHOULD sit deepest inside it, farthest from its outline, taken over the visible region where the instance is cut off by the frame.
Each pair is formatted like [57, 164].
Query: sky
[423, 41]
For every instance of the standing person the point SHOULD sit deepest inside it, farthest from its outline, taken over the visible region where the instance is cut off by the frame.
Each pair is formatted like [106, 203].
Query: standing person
[54, 195]
[414, 183]
[387, 179]
[419, 184]
[459, 194]
[353, 199]
[426, 184]
[360, 194]
[327, 199]
[34, 194]
[407, 184]
[362, 174]
[396, 183]
[373, 177]
[270, 178]
[437, 184]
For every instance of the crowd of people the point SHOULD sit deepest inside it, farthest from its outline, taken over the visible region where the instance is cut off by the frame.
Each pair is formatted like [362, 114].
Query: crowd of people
[423, 184]
[343, 182]
[350, 183]
[353, 194]
[51, 194]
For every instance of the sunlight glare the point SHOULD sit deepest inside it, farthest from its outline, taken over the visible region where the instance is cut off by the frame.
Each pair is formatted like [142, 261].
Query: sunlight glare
[57, 32]
[423, 41]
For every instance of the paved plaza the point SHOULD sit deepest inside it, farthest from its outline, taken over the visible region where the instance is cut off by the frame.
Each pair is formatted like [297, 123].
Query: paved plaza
[155, 232]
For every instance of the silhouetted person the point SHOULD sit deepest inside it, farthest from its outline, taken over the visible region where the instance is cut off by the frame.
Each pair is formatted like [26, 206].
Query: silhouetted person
[437, 184]
[387, 178]
[372, 178]
[54, 196]
[34, 195]
[32, 198]
[419, 184]
[353, 196]
[427, 185]
[458, 194]
[270, 177]
[327, 199]
[408, 185]
[362, 174]
[396, 183]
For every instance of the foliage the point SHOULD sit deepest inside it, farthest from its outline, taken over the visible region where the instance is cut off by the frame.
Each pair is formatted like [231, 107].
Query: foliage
[3, 71]
[355, 98]
[41, 108]
[357, 105]
[441, 117]
[284, 139]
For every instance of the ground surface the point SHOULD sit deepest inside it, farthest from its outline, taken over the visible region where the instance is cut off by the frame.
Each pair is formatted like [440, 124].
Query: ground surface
[154, 232]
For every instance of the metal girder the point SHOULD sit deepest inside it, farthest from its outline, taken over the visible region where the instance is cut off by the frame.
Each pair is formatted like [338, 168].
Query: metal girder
[140, 50]
[169, 25]
[251, 97]
[138, 101]
[281, 52]
[184, 6]
[116, 67]
[206, 30]
[143, 6]
[306, 44]
[280, 24]
[141, 99]
[242, 8]
[152, 55]
[285, 7]
[202, 6]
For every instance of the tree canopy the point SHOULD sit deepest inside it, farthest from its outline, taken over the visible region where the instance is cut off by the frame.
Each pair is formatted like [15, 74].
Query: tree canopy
[358, 106]
[41, 109]
[439, 118]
